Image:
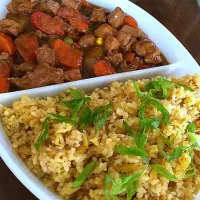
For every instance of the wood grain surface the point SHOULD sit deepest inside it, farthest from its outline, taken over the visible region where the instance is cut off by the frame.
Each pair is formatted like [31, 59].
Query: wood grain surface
[181, 17]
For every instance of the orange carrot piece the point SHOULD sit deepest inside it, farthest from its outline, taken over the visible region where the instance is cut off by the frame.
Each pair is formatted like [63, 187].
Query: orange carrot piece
[4, 84]
[6, 44]
[68, 57]
[129, 57]
[128, 20]
[80, 25]
[103, 68]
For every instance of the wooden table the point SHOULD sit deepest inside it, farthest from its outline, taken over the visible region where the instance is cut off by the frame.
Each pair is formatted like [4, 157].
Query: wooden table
[181, 17]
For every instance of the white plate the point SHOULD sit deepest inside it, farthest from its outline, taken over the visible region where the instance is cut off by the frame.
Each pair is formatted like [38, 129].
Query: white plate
[182, 63]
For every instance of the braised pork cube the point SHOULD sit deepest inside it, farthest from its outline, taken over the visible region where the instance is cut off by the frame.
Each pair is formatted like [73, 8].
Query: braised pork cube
[21, 7]
[5, 59]
[87, 40]
[22, 69]
[116, 18]
[103, 30]
[137, 62]
[48, 6]
[98, 15]
[5, 64]
[47, 55]
[11, 27]
[146, 48]
[115, 59]
[70, 31]
[76, 4]
[135, 32]
[111, 43]
[126, 40]
[26, 45]
[153, 58]
[72, 75]
[43, 75]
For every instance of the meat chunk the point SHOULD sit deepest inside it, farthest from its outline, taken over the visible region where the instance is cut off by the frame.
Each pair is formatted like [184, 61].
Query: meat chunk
[126, 40]
[76, 4]
[43, 75]
[135, 32]
[5, 59]
[153, 58]
[47, 55]
[24, 20]
[11, 27]
[5, 64]
[144, 47]
[115, 59]
[26, 45]
[111, 43]
[72, 75]
[48, 6]
[87, 40]
[103, 30]
[116, 18]
[137, 62]
[20, 70]
[22, 7]
[98, 15]
[47, 24]
[70, 31]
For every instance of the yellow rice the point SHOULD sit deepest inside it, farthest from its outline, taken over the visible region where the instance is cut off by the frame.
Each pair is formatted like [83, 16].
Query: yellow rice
[67, 150]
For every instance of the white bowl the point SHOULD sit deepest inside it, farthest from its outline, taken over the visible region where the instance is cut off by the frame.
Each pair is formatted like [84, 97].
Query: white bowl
[182, 64]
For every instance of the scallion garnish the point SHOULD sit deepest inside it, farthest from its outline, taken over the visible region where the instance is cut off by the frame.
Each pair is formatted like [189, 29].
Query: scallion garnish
[84, 174]
[44, 134]
[191, 127]
[124, 185]
[163, 172]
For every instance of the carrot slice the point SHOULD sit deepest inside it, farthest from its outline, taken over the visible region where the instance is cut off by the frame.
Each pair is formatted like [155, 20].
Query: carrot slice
[103, 68]
[129, 57]
[128, 20]
[4, 84]
[5, 71]
[80, 25]
[6, 44]
[68, 57]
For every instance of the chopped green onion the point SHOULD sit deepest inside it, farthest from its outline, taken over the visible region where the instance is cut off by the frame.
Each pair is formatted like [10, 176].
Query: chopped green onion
[44, 134]
[195, 139]
[163, 172]
[60, 118]
[191, 127]
[124, 185]
[68, 40]
[177, 152]
[84, 174]
[135, 151]
[85, 118]
[76, 94]
[186, 87]
[128, 128]
[190, 171]
[102, 120]
[138, 91]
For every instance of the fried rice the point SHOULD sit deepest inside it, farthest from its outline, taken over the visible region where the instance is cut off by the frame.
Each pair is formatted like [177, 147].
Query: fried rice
[69, 148]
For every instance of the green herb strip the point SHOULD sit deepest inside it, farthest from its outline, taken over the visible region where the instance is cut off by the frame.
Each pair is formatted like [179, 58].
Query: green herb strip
[163, 172]
[186, 87]
[135, 151]
[191, 127]
[195, 139]
[126, 184]
[190, 171]
[84, 174]
[85, 118]
[44, 134]
[138, 91]
[177, 152]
